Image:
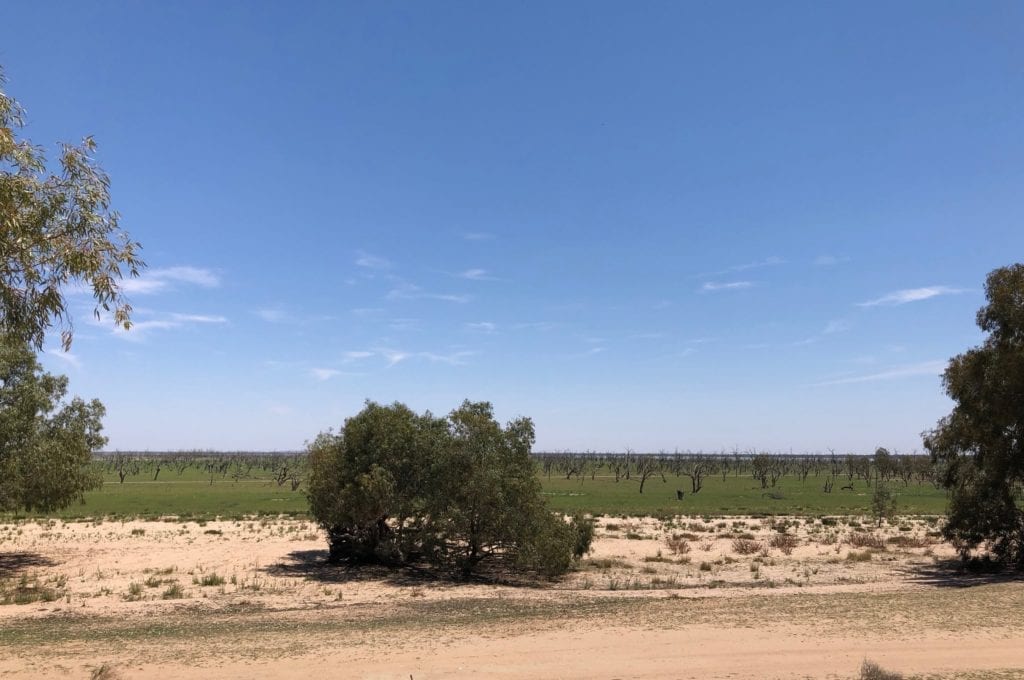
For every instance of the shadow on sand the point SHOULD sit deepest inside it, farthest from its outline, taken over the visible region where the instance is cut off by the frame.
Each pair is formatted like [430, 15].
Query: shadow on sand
[312, 565]
[954, 574]
[13, 563]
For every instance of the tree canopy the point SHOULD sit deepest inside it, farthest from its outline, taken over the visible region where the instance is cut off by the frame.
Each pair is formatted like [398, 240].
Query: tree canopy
[459, 492]
[46, 444]
[56, 230]
[980, 445]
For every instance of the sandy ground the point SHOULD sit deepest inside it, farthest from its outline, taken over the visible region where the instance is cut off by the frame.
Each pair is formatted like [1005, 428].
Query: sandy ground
[722, 598]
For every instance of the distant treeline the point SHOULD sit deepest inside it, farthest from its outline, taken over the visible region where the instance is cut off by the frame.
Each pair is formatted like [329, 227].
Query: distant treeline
[766, 468]
[289, 467]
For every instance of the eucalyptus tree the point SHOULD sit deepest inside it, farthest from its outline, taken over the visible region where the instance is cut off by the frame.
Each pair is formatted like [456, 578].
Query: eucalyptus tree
[979, 446]
[46, 442]
[57, 230]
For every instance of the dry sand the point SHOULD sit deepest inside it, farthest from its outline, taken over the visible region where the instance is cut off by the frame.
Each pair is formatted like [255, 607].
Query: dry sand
[636, 608]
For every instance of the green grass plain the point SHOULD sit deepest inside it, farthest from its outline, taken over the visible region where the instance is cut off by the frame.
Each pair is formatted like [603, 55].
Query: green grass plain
[191, 495]
[740, 495]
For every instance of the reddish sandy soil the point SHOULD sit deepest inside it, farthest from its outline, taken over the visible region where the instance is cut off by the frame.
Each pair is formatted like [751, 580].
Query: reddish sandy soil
[254, 599]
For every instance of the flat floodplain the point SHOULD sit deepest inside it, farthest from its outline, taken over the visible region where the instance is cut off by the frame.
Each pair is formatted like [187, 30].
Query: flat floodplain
[686, 597]
[199, 495]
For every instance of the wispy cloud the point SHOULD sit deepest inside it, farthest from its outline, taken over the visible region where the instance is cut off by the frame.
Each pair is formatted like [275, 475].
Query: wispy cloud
[766, 262]
[405, 324]
[907, 295]
[324, 374]
[162, 280]
[357, 355]
[831, 328]
[198, 318]
[828, 260]
[66, 357]
[141, 328]
[836, 326]
[482, 327]
[272, 315]
[726, 285]
[534, 326]
[281, 315]
[476, 275]
[452, 359]
[368, 261]
[933, 368]
[409, 291]
[279, 409]
[396, 356]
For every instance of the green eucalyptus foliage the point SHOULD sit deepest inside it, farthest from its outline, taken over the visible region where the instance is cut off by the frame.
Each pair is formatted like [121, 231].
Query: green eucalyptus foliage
[460, 493]
[45, 444]
[56, 230]
[980, 445]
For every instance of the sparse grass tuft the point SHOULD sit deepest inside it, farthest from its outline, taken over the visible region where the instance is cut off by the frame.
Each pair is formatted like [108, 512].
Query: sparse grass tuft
[104, 672]
[211, 579]
[173, 592]
[134, 592]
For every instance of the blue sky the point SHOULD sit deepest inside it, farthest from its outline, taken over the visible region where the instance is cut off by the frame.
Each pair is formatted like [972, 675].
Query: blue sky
[692, 225]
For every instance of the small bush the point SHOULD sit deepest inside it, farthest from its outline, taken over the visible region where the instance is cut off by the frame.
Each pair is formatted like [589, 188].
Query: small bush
[784, 542]
[870, 670]
[909, 542]
[705, 566]
[677, 544]
[584, 529]
[863, 540]
[607, 563]
[862, 556]
[746, 546]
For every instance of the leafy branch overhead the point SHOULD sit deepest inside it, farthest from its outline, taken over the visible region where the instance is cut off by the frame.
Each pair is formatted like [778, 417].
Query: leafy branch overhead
[57, 231]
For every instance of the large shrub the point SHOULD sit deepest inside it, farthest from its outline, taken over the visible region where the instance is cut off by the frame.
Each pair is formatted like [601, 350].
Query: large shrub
[460, 493]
